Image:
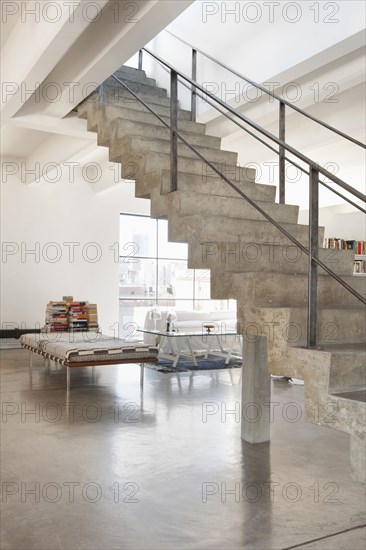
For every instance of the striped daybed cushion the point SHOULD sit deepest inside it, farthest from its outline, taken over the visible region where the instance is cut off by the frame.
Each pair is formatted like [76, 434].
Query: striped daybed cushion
[86, 347]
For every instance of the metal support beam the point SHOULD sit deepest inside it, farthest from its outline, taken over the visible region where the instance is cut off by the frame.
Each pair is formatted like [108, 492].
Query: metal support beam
[68, 378]
[142, 372]
[282, 153]
[193, 93]
[173, 131]
[30, 368]
[313, 254]
[140, 60]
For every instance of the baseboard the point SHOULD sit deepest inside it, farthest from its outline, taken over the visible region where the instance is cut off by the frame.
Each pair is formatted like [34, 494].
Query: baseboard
[17, 332]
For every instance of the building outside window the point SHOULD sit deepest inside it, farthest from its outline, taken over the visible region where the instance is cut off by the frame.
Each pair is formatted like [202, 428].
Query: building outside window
[153, 271]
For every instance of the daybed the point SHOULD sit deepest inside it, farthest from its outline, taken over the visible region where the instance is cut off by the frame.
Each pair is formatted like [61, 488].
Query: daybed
[84, 349]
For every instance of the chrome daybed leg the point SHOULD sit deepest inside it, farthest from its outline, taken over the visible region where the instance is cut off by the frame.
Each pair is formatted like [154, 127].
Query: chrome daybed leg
[68, 378]
[30, 367]
[142, 372]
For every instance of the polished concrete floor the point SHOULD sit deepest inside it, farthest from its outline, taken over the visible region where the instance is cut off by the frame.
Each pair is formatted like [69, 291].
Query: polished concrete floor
[113, 468]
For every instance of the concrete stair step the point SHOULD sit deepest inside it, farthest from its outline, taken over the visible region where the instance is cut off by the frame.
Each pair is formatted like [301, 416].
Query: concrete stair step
[92, 112]
[83, 109]
[152, 162]
[244, 257]
[114, 111]
[153, 131]
[353, 394]
[337, 325]
[150, 119]
[203, 228]
[97, 124]
[110, 129]
[141, 144]
[116, 90]
[130, 74]
[347, 370]
[185, 204]
[288, 326]
[283, 289]
[126, 112]
[127, 69]
[192, 183]
[126, 99]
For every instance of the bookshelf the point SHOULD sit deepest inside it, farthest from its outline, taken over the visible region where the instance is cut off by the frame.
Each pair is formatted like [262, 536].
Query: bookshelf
[359, 264]
[69, 315]
[359, 248]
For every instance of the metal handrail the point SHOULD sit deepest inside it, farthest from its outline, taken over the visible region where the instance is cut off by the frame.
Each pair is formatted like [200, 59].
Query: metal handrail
[245, 196]
[263, 131]
[272, 94]
[237, 123]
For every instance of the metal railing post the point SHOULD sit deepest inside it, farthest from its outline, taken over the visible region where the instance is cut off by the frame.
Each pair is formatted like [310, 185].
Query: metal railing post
[140, 60]
[282, 154]
[193, 92]
[173, 130]
[313, 253]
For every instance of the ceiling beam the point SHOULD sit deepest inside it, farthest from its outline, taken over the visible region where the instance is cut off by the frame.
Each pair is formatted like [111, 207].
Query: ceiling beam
[38, 41]
[71, 125]
[101, 49]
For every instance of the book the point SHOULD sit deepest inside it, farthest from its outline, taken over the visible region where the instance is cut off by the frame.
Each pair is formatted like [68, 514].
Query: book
[70, 315]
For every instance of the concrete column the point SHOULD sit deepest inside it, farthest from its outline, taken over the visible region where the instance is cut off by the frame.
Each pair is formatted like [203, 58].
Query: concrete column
[357, 455]
[256, 391]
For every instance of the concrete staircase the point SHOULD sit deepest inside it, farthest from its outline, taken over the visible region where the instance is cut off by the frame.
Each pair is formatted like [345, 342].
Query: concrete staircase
[250, 260]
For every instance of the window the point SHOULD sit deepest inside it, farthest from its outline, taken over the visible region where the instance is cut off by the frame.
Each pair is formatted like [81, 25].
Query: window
[154, 271]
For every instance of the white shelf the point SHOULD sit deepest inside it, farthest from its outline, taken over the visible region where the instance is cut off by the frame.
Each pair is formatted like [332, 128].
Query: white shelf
[359, 274]
[360, 256]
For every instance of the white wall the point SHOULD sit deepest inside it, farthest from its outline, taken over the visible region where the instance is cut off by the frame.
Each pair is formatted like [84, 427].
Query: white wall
[61, 212]
[340, 222]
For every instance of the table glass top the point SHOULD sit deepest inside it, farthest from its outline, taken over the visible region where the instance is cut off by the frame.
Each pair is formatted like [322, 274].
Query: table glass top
[176, 334]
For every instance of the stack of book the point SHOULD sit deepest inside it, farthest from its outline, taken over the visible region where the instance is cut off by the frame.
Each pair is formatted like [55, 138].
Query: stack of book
[338, 244]
[359, 247]
[78, 319]
[70, 315]
[92, 317]
[57, 316]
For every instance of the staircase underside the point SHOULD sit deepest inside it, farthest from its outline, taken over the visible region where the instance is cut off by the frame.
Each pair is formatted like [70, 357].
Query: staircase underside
[249, 259]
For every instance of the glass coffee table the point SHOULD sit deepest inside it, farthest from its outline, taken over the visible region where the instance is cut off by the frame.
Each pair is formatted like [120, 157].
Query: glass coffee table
[180, 342]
